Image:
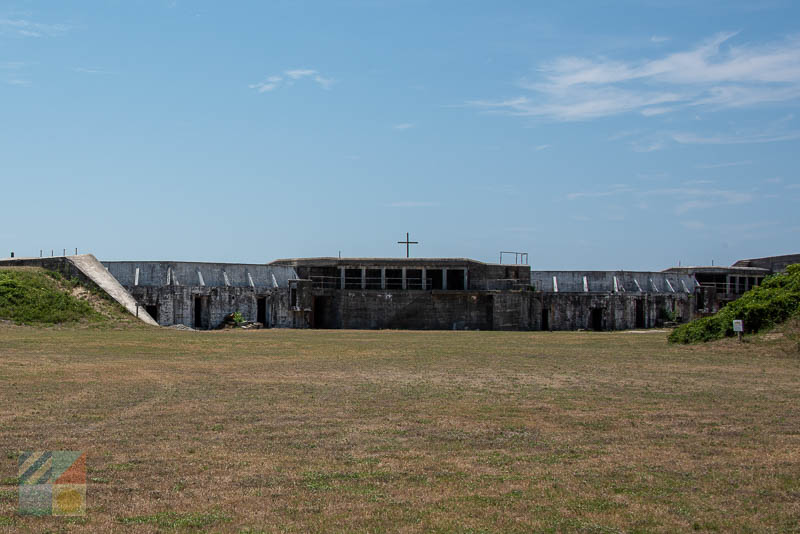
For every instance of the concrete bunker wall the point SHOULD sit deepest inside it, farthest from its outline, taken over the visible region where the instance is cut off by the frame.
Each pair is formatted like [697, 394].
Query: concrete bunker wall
[574, 311]
[178, 305]
[413, 310]
[496, 310]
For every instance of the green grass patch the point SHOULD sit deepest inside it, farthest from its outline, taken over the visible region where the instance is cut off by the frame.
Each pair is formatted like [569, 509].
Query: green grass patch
[174, 520]
[34, 296]
[773, 302]
[124, 466]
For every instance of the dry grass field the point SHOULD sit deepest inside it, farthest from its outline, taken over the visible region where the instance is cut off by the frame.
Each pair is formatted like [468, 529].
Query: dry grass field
[383, 431]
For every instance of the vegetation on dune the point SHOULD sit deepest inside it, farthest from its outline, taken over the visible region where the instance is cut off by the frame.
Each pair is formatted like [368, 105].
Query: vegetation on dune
[35, 296]
[773, 302]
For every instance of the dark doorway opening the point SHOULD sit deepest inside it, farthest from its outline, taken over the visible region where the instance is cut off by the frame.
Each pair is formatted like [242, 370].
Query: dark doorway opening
[639, 314]
[261, 311]
[596, 319]
[320, 314]
[152, 311]
[292, 297]
[198, 312]
[435, 278]
[545, 319]
[455, 279]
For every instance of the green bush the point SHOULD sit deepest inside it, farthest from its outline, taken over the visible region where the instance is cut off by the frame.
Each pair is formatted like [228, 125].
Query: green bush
[33, 297]
[763, 307]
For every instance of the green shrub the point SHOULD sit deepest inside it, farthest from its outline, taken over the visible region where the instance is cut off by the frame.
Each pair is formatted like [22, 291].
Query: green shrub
[773, 302]
[34, 297]
[238, 318]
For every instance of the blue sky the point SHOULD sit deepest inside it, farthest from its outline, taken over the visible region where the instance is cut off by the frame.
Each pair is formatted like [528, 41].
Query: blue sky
[593, 135]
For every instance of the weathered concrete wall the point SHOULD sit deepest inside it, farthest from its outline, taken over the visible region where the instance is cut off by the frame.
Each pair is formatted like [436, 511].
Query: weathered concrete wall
[511, 310]
[603, 281]
[480, 275]
[573, 311]
[179, 289]
[500, 310]
[774, 264]
[176, 305]
[182, 273]
[415, 310]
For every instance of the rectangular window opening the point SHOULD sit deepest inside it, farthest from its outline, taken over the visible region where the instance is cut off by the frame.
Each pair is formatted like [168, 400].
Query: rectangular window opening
[435, 278]
[394, 279]
[352, 278]
[455, 279]
[413, 278]
[373, 279]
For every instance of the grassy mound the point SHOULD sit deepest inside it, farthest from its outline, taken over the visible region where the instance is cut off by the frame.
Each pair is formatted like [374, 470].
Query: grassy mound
[773, 302]
[35, 296]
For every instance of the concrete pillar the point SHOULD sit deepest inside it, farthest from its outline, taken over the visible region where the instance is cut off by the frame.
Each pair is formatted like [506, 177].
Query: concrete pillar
[728, 284]
[405, 282]
[444, 277]
[466, 286]
[424, 279]
[341, 277]
[383, 277]
[363, 278]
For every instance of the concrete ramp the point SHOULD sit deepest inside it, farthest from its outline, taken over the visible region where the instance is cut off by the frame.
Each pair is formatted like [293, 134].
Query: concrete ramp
[97, 273]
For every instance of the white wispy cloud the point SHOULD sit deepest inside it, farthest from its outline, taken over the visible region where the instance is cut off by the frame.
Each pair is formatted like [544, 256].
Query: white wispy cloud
[289, 77]
[715, 74]
[523, 229]
[85, 70]
[268, 84]
[12, 73]
[733, 139]
[18, 81]
[648, 146]
[659, 39]
[721, 165]
[683, 199]
[543, 147]
[296, 74]
[414, 204]
[403, 126]
[28, 28]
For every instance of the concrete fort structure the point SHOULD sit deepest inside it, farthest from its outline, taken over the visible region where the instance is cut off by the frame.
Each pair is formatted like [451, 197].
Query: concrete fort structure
[411, 293]
[453, 293]
[719, 285]
[200, 295]
[415, 293]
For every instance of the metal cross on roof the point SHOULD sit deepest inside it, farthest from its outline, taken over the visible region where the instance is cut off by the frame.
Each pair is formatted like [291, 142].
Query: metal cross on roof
[407, 243]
